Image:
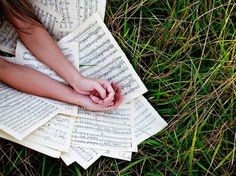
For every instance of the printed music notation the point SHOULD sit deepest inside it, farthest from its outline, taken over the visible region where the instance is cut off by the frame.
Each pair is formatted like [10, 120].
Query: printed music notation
[80, 136]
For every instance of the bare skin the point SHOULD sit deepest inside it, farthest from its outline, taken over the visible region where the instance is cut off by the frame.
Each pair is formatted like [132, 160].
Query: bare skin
[95, 95]
[36, 83]
[40, 43]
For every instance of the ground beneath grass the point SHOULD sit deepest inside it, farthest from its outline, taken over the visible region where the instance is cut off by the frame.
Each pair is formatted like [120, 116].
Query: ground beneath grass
[184, 51]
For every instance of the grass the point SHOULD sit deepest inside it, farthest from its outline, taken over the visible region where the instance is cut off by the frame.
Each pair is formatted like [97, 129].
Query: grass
[184, 51]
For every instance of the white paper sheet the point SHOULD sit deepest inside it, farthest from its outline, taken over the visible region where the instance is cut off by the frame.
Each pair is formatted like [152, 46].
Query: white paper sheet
[9, 59]
[8, 38]
[67, 158]
[83, 156]
[26, 58]
[55, 134]
[21, 114]
[74, 12]
[146, 121]
[34, 146]
[107, 61]
[67, 9]
[71, 52]
[112, 134]
[104, 130]
[86, 8]
[118, 155]
[49, 19]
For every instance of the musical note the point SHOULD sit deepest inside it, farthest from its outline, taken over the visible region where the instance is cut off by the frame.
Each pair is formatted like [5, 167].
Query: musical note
[49, 19]
[147, 121]
[100, 130]
[74, 12]
[70, 50]
[83, 156]
[55, 134]
[24, 113]
[99, 48]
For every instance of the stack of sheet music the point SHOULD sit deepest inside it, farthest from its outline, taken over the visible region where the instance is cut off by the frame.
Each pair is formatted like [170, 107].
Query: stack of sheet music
[62, 130]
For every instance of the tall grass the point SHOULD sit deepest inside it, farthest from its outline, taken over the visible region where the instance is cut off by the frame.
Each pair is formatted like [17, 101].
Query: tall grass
[184, 51]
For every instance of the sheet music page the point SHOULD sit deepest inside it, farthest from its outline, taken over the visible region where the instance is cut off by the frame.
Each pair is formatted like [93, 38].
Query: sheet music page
[85, 157]
[8, 38]
[104, 130]
[86, 8]
[9, 59]
[55, 134]
[67, 9]
[26, 58]
[67, 158]
[71, 52]
[101, 8]
[21, 113]
[49, 19]
[34, 146]
[127, 156]
[74, 12]
[146, 121]
[64, 108]
[106, 60]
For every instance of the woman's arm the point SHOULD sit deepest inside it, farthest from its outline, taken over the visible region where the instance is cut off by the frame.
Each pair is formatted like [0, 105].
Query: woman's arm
[33, 82]
[40, 43]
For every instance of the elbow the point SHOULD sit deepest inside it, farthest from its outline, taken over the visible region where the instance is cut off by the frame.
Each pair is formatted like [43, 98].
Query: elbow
[2, 64]
[25, 27]
[28, 29]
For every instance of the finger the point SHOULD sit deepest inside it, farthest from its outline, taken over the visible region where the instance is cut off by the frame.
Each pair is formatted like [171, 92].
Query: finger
[96, 94]
[109, 90]
[102, 92]
[93, 92]
[118, 97]
[83, 92]
[111, 104]
[114, 86]
[101, 102]
[95, 99]
[118, 89]
[118, 101]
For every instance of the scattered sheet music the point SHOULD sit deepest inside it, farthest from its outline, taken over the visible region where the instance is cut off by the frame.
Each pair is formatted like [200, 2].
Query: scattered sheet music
[61, 130]
[99, 49]
[50, 20]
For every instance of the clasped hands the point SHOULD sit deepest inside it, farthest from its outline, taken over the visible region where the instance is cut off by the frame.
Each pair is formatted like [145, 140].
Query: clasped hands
[97, 95]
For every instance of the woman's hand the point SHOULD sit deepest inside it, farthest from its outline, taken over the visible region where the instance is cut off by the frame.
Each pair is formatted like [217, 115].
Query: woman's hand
[99, 90]
[92, 105]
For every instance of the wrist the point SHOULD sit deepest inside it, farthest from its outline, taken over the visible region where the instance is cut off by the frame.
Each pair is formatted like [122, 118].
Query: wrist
[73, 97]
[75, 79]
[77, 99]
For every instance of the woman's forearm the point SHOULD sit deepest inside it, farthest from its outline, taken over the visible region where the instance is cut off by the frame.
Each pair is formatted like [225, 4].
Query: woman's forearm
[33, 82]
[40, 43]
